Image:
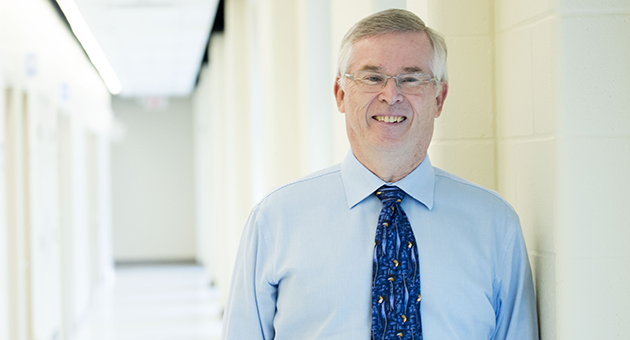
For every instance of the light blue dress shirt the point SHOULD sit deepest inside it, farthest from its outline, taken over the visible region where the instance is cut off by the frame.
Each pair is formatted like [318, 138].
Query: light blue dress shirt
[304, 266]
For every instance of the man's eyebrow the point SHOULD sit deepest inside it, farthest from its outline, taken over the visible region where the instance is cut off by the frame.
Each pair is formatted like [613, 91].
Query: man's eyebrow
[413, 69]
[371, 68]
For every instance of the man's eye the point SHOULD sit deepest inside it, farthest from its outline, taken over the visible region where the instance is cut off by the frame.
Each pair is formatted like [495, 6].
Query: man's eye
[373, 79]
[410, 80]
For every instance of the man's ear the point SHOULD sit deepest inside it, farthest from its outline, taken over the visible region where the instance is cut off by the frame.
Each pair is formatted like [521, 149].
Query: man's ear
[339, 96]
[441, 97]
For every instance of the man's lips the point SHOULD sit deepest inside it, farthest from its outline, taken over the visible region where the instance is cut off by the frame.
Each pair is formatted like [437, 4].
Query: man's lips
[389, 119]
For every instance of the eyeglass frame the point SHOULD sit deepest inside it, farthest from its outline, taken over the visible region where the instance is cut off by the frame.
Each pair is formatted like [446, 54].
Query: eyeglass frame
[386, 78]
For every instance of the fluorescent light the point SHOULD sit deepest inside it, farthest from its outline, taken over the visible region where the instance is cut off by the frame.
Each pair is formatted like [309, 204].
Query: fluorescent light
[90, 45]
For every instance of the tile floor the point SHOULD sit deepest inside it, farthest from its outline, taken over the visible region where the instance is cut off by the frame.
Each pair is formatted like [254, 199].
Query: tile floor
[166, 302]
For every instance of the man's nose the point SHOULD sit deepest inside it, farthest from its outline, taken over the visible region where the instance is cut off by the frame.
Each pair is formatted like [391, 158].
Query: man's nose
[391, 93]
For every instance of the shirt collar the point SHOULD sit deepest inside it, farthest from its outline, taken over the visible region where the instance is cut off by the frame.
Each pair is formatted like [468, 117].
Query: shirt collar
[359, 182]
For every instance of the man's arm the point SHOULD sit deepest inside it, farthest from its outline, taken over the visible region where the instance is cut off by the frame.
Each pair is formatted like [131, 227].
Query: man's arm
[516, 315]
[251, 302]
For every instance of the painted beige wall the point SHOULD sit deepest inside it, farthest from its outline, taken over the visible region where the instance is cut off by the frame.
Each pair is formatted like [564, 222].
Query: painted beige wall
[4, 255]
[526, 97]
[564, 138]
[210, 154]
[52, 269]
[593, 124]
[464, 140]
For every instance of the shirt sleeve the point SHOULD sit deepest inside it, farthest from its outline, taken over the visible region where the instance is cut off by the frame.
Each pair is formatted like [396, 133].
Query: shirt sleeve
[251, 303]
[516, 315]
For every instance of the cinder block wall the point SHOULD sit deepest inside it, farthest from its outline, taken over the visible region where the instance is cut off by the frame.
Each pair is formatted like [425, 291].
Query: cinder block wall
[563, 76]
[527, 60]
[593, 157]
[464, 141]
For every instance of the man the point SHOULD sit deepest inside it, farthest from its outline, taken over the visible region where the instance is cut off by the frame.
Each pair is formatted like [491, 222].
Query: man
[384, 246]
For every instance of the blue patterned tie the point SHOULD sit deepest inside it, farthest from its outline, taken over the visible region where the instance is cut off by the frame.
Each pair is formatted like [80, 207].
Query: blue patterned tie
[395, 272]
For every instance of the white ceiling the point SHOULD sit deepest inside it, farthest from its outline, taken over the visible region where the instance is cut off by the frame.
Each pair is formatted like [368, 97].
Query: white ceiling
[154, 46]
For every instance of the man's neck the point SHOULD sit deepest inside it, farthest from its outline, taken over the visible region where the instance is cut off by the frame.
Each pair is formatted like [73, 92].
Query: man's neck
[390, 167]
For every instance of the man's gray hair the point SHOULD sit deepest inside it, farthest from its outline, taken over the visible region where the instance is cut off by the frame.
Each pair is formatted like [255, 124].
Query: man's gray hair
[392, 21]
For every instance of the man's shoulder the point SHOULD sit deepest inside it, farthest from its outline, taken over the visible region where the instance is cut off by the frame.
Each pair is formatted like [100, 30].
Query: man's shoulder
[450, 184]
[320, 181]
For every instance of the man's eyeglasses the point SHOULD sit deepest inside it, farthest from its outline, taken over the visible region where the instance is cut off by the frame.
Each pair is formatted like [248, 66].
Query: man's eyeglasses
[372, 82]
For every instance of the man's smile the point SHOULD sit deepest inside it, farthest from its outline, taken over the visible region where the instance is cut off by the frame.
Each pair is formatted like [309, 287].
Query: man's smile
[390, 119]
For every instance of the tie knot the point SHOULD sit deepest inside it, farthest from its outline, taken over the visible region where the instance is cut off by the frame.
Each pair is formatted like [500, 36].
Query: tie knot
[389, 194]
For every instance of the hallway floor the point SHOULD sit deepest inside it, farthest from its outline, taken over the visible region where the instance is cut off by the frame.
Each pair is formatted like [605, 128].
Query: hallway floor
[170, 302]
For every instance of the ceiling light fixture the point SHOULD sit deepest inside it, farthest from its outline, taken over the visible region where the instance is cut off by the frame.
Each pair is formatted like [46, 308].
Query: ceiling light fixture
[90, 45]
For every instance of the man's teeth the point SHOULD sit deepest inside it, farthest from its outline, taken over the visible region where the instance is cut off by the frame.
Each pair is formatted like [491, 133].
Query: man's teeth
[390, 119]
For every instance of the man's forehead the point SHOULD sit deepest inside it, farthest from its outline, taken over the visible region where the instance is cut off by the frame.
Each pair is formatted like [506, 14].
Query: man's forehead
[375, 53]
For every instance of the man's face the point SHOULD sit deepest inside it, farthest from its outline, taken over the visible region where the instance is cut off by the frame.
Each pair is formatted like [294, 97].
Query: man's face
[367, 127]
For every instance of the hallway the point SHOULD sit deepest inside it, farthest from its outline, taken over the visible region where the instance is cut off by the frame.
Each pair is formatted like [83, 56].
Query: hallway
[93, 174]
[158, 302]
